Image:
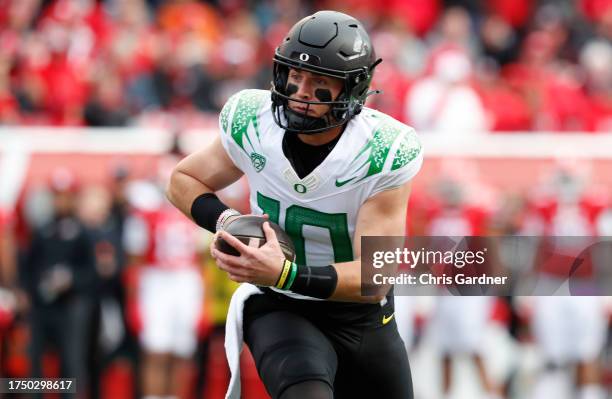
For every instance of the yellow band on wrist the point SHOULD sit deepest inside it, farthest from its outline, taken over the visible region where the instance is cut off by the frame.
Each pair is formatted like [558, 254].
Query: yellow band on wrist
[284, 274]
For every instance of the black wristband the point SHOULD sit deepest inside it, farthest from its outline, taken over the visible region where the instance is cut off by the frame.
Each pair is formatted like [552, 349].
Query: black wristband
[206, 210]
[316, 282]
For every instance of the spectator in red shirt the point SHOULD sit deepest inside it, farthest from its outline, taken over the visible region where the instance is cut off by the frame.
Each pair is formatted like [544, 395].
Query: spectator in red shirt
[506, 109]
[549, 85]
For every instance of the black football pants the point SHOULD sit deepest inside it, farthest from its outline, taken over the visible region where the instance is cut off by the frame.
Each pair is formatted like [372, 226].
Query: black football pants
[308, 345]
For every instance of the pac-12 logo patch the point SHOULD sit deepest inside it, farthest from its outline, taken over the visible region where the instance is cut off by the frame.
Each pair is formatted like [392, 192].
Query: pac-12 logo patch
[259, 161]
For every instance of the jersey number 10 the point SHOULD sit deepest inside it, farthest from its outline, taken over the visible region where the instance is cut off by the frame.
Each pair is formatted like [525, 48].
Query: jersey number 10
[296, 217]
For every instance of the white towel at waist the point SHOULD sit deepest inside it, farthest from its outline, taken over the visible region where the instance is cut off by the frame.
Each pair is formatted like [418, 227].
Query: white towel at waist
[233, 336]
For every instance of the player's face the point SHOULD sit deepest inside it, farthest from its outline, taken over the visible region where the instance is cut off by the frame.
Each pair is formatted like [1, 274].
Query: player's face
[310, 86]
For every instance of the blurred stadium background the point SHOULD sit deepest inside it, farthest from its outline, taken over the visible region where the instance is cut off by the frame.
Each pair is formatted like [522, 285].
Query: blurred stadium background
[98, 100]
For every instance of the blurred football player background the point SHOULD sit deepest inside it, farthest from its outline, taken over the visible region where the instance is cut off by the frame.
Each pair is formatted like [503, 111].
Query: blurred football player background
[99, 279]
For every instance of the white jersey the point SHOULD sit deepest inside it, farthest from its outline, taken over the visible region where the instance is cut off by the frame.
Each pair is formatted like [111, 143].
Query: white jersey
[319, 212]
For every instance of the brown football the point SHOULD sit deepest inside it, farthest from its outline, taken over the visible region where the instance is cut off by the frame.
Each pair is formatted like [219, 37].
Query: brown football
[250, 227]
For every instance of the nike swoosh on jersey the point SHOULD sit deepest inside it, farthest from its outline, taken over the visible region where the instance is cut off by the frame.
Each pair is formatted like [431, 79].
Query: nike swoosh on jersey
[387, 319]
[342, 183]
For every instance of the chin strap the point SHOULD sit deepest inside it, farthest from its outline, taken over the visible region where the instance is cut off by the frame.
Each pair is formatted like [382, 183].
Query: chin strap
[303, 123]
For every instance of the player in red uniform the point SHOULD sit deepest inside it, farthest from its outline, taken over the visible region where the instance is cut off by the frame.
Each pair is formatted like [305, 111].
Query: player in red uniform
[170, 291]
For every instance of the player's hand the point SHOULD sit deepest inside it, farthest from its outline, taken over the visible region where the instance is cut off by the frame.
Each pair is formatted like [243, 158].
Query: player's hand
[260, 266]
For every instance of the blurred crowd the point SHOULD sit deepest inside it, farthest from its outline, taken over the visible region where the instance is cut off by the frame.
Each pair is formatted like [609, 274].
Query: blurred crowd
[528, 65]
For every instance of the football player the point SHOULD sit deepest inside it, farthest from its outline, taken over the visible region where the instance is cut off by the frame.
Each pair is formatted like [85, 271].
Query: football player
[329, 171]
[570, 331]
[170, 291]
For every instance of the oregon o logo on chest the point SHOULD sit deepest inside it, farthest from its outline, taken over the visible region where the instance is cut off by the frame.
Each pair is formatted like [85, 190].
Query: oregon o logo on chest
[304, 57]
[300, 188]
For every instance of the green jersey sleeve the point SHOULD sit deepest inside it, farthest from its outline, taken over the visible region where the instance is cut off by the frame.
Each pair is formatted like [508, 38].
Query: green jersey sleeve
[239, 125]
[405, 159]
